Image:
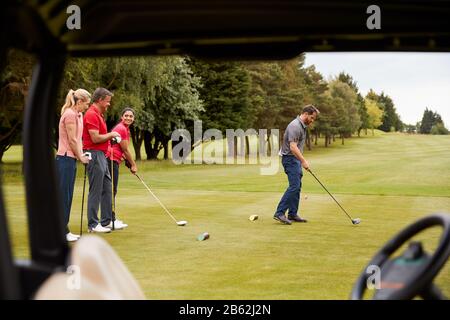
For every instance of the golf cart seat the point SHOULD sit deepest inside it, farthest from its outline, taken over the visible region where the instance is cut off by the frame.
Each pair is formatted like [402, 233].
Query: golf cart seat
[95, 272]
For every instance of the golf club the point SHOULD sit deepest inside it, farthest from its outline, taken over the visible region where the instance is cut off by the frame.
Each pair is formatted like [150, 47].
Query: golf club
[179, 223]
[354, 221]
[113, 198]
[114, 141]
[87, 154]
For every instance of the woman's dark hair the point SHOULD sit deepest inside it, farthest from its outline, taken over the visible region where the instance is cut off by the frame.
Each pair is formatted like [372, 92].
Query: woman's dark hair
[127, 109]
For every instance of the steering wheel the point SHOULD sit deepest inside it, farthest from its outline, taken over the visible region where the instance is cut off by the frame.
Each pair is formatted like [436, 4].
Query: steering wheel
[411, 274]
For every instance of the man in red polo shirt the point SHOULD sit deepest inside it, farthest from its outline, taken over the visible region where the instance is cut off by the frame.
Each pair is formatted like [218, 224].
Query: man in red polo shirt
[96, 140]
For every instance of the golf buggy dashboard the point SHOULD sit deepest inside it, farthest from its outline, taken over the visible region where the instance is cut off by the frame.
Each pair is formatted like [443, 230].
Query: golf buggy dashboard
[410, 274]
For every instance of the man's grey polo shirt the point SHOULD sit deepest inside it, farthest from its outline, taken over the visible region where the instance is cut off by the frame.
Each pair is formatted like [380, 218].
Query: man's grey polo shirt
[295, 132]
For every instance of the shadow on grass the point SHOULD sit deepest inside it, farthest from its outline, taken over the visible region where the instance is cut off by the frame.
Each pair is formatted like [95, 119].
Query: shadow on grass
[11, 171]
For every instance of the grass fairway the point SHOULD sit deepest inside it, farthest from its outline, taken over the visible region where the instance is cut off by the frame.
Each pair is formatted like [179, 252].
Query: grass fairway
[388, 181]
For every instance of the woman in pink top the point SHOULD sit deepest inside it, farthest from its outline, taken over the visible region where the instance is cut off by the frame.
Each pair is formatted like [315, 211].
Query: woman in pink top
[70, 149]
[119, 152]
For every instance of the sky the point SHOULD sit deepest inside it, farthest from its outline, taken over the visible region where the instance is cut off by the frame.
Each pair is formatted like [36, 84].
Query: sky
[414, 81]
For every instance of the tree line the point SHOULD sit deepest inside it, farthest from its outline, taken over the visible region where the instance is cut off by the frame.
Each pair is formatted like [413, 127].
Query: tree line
[172, 92]
[431, 123]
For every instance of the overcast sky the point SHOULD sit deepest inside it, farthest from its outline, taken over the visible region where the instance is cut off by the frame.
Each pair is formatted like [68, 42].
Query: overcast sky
[414, 81]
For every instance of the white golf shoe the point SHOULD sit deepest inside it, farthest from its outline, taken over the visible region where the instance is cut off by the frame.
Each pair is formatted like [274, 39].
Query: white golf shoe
[121, 222]
[98, 228]
[118, 225]
[70, 237]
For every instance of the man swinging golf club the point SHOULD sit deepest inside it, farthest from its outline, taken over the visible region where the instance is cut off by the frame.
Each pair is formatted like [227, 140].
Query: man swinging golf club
[293, 160]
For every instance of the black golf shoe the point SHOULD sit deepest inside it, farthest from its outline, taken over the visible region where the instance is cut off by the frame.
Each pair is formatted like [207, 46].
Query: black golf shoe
[282, 219]
[297, 219]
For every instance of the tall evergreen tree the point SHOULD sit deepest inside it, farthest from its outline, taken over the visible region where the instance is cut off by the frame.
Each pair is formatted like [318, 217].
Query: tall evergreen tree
[431, 121]
[427, 121]
[224, 92]
[391, 120]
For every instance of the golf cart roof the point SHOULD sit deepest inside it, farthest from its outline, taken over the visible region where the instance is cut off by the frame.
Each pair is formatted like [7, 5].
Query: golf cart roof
[267, 29]
[239, 29]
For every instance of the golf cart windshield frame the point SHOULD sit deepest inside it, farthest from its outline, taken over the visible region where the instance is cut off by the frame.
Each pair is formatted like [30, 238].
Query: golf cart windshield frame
[234, 30]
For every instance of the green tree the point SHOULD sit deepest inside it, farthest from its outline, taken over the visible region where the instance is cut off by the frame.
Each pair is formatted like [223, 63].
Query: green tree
[177, 105]
[362, 110]
[225, 93]
[427, 121]
[375, 114]
[372, 95]
[346, 118]
[162, 91]
[266, 92]
[391, 120]
[78, 73]
[325, 124]
[314, 87]
[439, 128]
[14, 83]
[432, 123]
[281, 89]
[133, 81]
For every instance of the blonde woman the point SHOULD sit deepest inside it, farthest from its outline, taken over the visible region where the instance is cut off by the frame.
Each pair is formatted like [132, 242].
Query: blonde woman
[70, 149]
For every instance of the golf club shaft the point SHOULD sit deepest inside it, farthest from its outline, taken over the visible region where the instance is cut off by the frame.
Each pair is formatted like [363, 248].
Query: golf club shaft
[329, 194]
[113, 198]
[160, 203]
[82, 201]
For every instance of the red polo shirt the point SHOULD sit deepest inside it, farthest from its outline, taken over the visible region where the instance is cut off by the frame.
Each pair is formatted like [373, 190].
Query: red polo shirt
[93, 120]
[124, 132]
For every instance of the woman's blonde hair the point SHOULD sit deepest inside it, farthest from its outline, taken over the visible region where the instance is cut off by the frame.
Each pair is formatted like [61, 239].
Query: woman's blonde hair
[72, 98]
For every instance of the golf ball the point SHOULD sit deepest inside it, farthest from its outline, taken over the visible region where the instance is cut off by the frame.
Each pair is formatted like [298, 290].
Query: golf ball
[306, 196]
[203, 236]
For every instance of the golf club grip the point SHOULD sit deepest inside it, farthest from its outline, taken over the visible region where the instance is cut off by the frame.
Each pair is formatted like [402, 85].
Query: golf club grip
[127, 163]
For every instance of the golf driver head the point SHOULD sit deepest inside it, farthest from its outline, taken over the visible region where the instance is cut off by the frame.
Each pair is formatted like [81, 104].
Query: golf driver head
[181, 223]
[356, 221]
